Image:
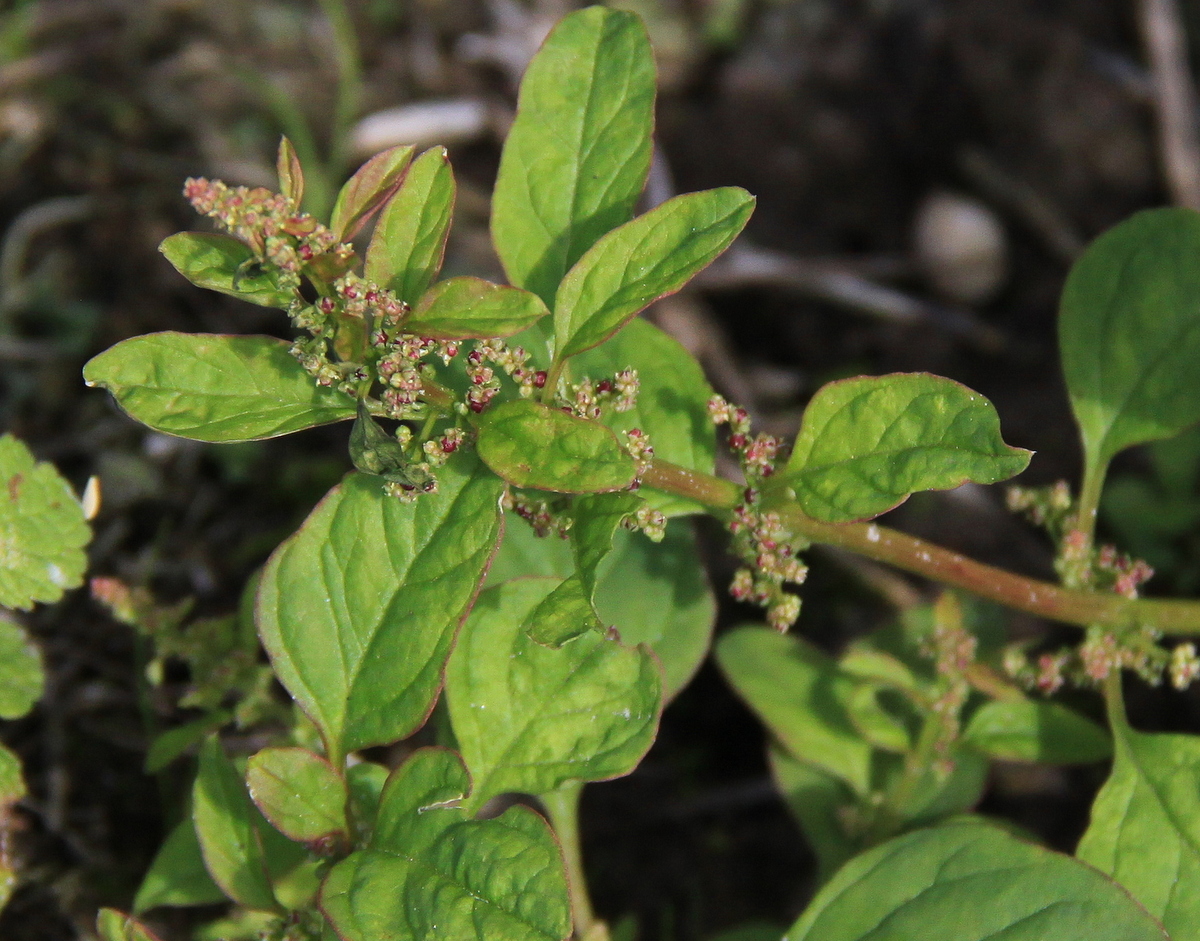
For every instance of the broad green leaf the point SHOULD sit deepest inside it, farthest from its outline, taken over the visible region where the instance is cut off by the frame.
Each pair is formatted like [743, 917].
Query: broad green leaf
[530, 719]
[223, 263]
[358, 609]
[301, 794]
[823, 806]
[578, 153]
[178, 876]
[174, 742]
[117, 926]
[370, 187]
[42, 535]
[215, 388]
[968, 879]
[801, 696]
[866, 444]
[677, 625]
[1145, 826]
[459, 308]
[533, 445]
[1028, 730]
[1129, 333]
[430, 871]
[654, 255]
[21, 673]
[406, 249]
[227, 830]
[672, 404]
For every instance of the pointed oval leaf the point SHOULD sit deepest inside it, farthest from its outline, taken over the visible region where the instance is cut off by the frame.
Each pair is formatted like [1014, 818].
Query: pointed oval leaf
[42, 535]
[578, 153]
[21, 675]
[370, 187]
[1129, 332]
[801, 696]
[178, 876]
[430, 871]
[215, 388]
[529, 718]
[301, 794]
[672, 402]
[867, 444]
[409, 241]
[1145, 826]
[461, 308]
[1028, 730]
[359, 608]
[117, 926]
[290, 172]
[654, 255]
[533, 445]
[227, 830]
[225, 264]
[968, 879]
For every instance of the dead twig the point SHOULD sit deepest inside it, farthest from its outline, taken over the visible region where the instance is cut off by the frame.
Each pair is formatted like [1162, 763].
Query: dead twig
[1174, 98]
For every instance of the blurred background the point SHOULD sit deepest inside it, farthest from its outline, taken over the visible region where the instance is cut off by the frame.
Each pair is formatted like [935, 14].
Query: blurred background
[926, 170]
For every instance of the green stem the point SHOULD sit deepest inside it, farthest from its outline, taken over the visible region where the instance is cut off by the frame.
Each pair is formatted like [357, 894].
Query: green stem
[562, 806]
[916, 764]
[1071, 606]
[550, 389]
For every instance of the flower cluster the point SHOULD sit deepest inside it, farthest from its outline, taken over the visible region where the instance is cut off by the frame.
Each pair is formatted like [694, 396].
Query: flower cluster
[539, 514]
[587, 398]
[1103, 652]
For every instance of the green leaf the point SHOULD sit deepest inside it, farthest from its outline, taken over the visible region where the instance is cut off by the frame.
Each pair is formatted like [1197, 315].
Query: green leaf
[533, 445]
[358, 609]
[672, 403]
[1145, 826]
[365, 781]
[1029, 730]
[117, 926]
[432, 872]
[12, 781]
[178, 876]
[223, 263]
[866, 444]
[174, 742]
[226, 827]
[578, 153]
[290, 172]
[564, 614]
[21, 675]
[215, 388]
[375, 451]
[678, 626]
[654, 255]
[301, 794]
[968, 879]
[409, 241]
[1129, 333]
[821, 803]
[42, 535]
[460, 308]
[370, 187]
[801, 696]
[530, 719]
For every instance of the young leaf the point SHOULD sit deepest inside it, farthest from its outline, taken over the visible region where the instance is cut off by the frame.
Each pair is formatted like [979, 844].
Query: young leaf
[301, 794]
[866, 444]
[533, 445]
[578, 153]
[361, 644]
[1145, 826]
[226, 827]
[117, 926]
[178, 876]
[672, 402]
[21, 675]
[802, 696]
[374, 451]
[406, 249]
[225, 264]
[459, 308]
[370, 187]
[290, 173]
[430, 871]
[172, 743]
[529, 718]
[820, 803]
[564, 614]
[654, 255]
[1129, 333]
[968, 879]
[1045, 732]
[42, 532]
[215, 388]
